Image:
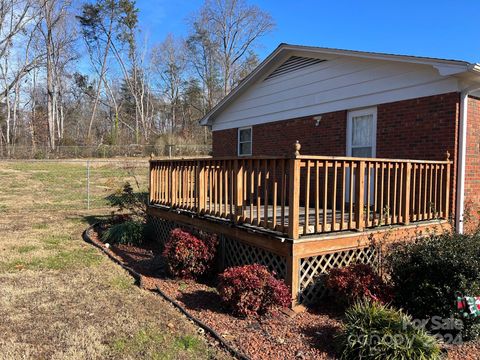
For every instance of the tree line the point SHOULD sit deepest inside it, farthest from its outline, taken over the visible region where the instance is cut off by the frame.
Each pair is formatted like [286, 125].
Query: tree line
[87, 74]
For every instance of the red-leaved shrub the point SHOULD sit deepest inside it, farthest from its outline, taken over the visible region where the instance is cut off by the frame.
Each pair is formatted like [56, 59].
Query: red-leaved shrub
[358, 281]
[189, 256]
[252, 289]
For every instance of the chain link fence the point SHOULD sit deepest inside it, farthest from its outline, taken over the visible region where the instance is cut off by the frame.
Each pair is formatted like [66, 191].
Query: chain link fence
[102, 151]
[75, 184]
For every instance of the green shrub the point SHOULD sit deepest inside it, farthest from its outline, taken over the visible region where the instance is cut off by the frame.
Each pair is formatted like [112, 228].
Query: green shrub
[427, 272]
[128, 232]
[127, 200]
[375, 331]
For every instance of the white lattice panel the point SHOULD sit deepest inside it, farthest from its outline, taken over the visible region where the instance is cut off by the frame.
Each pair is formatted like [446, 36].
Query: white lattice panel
[311, 269]
[162, 229]
[238, 253]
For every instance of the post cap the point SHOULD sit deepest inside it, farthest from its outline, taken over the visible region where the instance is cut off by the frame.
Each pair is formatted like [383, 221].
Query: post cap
[297, 147]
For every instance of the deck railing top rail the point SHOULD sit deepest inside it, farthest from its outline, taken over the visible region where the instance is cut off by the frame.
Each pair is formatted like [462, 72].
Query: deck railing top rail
[304, 195]
[301, 157]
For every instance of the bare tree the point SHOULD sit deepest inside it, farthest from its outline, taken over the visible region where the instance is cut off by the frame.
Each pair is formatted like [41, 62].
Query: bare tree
[57, 41]
[169, 63]
[202, 54]
[107, 25]
[18, 19]
[235, 27]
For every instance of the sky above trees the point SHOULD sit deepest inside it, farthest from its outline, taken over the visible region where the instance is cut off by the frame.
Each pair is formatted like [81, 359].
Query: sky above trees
[441, 28]
[143, 72]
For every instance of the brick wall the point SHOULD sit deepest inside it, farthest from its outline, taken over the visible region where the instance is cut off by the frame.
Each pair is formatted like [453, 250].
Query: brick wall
[423, 128]
[277, 138]
[472, 169]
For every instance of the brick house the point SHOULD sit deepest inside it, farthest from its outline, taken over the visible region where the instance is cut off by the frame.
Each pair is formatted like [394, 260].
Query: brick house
[388, 147]
[415, 108]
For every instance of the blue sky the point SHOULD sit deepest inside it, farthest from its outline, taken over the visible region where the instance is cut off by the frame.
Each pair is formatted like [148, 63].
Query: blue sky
[442, 28]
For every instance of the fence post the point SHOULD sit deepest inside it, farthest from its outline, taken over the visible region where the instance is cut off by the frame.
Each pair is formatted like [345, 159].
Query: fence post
[294, 194]
[406, 193]
[360, 195]
[88, 184]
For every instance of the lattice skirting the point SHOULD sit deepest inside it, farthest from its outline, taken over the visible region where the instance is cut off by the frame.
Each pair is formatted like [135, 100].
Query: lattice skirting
[232, 251]
[312, 268]
[161, 229]
[237, 253]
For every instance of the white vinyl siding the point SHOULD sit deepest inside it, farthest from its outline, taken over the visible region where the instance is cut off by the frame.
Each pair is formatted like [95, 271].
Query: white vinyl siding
[245, 141]
[338, 83]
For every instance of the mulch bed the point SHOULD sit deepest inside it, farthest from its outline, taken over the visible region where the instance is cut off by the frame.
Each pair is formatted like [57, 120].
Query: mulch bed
[283, 335]
[304, 335]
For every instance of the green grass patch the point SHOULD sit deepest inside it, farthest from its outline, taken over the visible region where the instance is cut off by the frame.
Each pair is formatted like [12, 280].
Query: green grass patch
[121, 282]
[26, 249]
[63, 260]
[153, 344]
[40, 226]
[188, 342]
[55, 241]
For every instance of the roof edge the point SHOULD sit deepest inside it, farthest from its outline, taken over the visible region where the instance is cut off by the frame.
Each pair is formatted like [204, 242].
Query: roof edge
[445, 67]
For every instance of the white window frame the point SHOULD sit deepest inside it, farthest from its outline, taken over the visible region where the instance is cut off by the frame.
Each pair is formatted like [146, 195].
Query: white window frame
[362, 112]
[251, 140]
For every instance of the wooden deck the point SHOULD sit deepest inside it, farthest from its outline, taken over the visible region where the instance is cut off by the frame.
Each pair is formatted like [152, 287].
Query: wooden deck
[300, 215]
[305, 195]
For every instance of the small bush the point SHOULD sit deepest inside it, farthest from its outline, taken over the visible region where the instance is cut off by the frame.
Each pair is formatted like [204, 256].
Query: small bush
[126, 200]
[375, 331]
[427, 272]
[128, 232]
[252, 289]
[356, 282]
[189, 256]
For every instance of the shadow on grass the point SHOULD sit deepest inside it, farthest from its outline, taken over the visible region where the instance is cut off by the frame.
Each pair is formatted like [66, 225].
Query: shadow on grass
[94, 219]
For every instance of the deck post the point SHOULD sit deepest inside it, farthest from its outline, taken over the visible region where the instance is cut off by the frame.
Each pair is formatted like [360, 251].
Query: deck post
[200, 181]
[292, 275]
[238, 193]
[360, 196]
[406, 193]
[447, 187]
[294, 194]
[152, 179]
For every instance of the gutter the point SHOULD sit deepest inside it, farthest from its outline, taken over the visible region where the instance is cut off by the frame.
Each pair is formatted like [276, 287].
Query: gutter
[462, 155]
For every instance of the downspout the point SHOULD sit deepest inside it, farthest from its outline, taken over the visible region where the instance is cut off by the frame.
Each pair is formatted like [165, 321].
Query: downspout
[462, 155]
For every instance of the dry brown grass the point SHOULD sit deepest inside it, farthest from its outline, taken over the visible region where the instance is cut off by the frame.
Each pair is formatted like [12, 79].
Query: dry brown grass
[59, 297]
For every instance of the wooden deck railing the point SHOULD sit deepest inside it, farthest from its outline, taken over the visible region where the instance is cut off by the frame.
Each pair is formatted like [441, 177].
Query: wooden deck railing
[305, 195]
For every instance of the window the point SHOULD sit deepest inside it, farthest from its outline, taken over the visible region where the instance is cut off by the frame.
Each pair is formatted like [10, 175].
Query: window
[361, 143]
[361, 133]
[245, 141]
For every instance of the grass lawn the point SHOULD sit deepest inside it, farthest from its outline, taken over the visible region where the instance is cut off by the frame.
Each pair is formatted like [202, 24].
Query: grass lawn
[59, 297]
